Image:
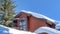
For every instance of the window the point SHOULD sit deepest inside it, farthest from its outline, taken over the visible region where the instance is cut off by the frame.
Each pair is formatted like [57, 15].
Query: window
[22, 24]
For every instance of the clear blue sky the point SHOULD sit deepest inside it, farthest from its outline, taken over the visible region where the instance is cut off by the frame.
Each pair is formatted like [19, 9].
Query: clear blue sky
[50, 8]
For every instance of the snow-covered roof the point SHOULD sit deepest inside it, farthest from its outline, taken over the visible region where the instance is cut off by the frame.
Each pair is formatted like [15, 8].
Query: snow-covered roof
[7, 30]
[38, 15]
[47, 30]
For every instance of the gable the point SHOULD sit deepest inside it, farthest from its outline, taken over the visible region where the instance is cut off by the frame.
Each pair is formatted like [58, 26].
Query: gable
[21, 14]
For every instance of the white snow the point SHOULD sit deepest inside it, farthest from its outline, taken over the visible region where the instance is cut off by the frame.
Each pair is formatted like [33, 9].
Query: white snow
[37, 15]
[7, 30]
[57, 22]
[57, 26]
[47, 30]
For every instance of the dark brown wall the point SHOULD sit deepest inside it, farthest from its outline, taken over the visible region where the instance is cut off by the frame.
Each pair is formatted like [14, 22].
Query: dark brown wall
[22, 15]
[35, 23]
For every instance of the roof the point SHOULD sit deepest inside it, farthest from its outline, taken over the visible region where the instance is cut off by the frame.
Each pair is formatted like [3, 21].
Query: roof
[37, 15]
[47, 30]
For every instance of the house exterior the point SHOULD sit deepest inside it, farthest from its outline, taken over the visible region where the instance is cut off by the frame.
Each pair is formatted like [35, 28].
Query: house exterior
[30, 21]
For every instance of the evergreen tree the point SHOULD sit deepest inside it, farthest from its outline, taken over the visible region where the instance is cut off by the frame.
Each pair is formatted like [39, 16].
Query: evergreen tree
[6, 9]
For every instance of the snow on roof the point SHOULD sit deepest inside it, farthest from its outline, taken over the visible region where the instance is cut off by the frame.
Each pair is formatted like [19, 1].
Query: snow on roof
[57, 22]
[7, 30]
[47, 30]
[57, 26]
[38, 15]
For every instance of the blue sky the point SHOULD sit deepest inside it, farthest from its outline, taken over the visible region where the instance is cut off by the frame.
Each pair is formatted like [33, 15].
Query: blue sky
[50, 8]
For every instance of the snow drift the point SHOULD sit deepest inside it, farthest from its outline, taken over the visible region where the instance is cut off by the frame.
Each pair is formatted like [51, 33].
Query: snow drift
[7, 30]
[47, 30]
